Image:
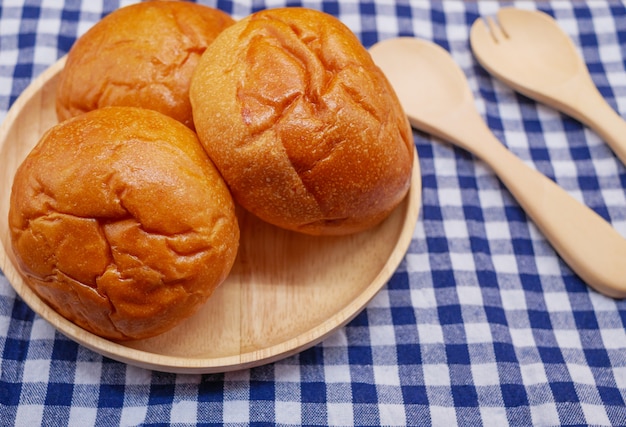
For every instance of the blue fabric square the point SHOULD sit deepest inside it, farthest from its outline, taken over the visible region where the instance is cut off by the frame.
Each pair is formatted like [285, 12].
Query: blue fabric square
[504, 352]
[409, 354]
[514, 395]
[437, 245]
[111, 396]
[550, 355]
[403, 315]
[465, 396]
[443, 278]
[15, 349]
[539, 319]
[597, 358]
[313, 392]
[360, 355]
[59, 394]
[610, 396]
[31, 12]
[586, 320]
[450, 315]
[564, 392]
[364, 393]
[415, 395]
[262, 390]
[10, 393]
[495, 315]
[457, 354]
[65, 349]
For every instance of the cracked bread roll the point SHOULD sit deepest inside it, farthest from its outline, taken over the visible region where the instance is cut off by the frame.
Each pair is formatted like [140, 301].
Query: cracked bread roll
[121, 223]
[305, 129]
[141, 55]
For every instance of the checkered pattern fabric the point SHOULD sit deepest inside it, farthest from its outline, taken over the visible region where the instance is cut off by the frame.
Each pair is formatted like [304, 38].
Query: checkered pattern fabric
[482, 323]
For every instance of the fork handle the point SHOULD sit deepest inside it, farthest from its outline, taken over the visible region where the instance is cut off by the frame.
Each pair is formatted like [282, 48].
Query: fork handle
[580, 99]
[586, 242]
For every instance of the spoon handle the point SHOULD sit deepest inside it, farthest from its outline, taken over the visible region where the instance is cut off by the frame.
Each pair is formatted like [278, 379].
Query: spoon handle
[585, 241]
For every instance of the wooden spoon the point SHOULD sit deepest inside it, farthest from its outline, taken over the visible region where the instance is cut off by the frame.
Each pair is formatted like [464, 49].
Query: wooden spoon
[437, 99]
[528, 51]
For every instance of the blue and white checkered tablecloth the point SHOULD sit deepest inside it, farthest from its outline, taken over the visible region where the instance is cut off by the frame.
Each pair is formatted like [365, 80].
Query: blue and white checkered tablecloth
[482, 323]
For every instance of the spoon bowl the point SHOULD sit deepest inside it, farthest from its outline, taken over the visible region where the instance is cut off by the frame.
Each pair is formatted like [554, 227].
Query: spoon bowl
[437, 99]
[529, 52]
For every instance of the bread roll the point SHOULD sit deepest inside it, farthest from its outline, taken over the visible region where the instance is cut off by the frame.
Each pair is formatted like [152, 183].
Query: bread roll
[304, 128]
[141, 55]
[121, 223]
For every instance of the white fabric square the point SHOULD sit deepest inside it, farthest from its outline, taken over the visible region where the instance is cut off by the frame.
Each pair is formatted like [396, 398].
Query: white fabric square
[337, 373]
[30, 415]
[613, 339]
[462, 261]
[545, 415]
[557, 301]
[386, 375]
[41, 330]
[492, 199]
[470, 295]
[476, 333]
[133, 415]
[287, 373]
[288, 413]
[445, 166]
[382, 335]
[90, 373]
[442, 416]
[137, 376]
[236, 411]
[429, 333]
[513, 299]
[392, 415]
[497, 229]
[522, 337]
[45, 55]
[81, 416]
[485, 374]
[423, 298]
[494, 416]
[36, 370]
[435, 375]
[533, 374]
[567, 338]
[418, 262]
[548, 265]
[595, 414]
[340, 414]
[184, 411]
[450, 197]
[581, 374]
[504, 263]
[455, 228]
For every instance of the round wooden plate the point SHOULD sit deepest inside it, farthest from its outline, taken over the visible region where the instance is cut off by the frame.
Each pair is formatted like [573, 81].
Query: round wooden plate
[286, 291]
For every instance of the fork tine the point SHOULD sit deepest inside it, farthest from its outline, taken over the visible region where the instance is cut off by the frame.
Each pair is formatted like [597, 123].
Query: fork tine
[498, 33]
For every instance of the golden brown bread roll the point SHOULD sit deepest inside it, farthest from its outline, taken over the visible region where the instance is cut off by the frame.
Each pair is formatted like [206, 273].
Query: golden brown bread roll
[141, 55]
[121, 223]
[305, 129]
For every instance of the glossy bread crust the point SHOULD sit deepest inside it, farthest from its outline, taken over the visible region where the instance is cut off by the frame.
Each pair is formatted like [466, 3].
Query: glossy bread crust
[141, 55]
[121, 223]
[304, 128]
